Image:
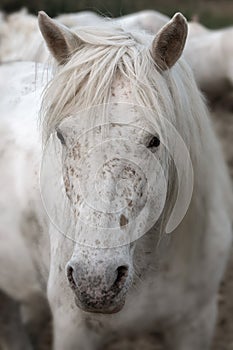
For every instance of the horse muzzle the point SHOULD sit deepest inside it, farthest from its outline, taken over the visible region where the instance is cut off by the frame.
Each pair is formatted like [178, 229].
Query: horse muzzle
[99, 293]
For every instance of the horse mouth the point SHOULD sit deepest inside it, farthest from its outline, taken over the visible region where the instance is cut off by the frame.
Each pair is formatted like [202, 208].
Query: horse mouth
[100, 308]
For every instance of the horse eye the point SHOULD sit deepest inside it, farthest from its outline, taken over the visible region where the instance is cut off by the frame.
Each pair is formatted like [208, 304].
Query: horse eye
[61, 138]
[154, 142]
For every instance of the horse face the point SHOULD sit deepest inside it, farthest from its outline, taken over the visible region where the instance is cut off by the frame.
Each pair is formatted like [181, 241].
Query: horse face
[116, 186]
[114, 167]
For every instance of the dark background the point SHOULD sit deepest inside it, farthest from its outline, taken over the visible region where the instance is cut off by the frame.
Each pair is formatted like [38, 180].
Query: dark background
[212, 13]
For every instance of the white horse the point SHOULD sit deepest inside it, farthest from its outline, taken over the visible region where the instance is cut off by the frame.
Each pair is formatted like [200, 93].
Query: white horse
[122, 122]
[81, 18]
[148, 20]
[210, 57]
[196, 29]
[17, 32]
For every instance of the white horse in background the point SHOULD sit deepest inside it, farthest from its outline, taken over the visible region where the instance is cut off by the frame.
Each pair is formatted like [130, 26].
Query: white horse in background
[211, 58]
[196, 29]
[149, 20]
[121, 118]
[81, 18]
[17, 32]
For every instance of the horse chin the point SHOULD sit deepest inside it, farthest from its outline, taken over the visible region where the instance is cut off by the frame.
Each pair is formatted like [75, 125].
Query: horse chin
[100, 310]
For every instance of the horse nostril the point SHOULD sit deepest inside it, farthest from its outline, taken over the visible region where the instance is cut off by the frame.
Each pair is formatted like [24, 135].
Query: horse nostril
[122, 274]
[70, 276]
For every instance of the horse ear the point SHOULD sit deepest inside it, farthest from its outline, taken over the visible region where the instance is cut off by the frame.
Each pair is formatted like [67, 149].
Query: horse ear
[60, 40]
[168, 44]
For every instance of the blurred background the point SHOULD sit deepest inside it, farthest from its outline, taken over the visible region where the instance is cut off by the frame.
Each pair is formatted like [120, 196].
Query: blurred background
[212, 13]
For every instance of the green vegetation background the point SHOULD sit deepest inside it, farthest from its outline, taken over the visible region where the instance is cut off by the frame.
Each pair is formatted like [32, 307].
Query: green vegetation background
[212, 13]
